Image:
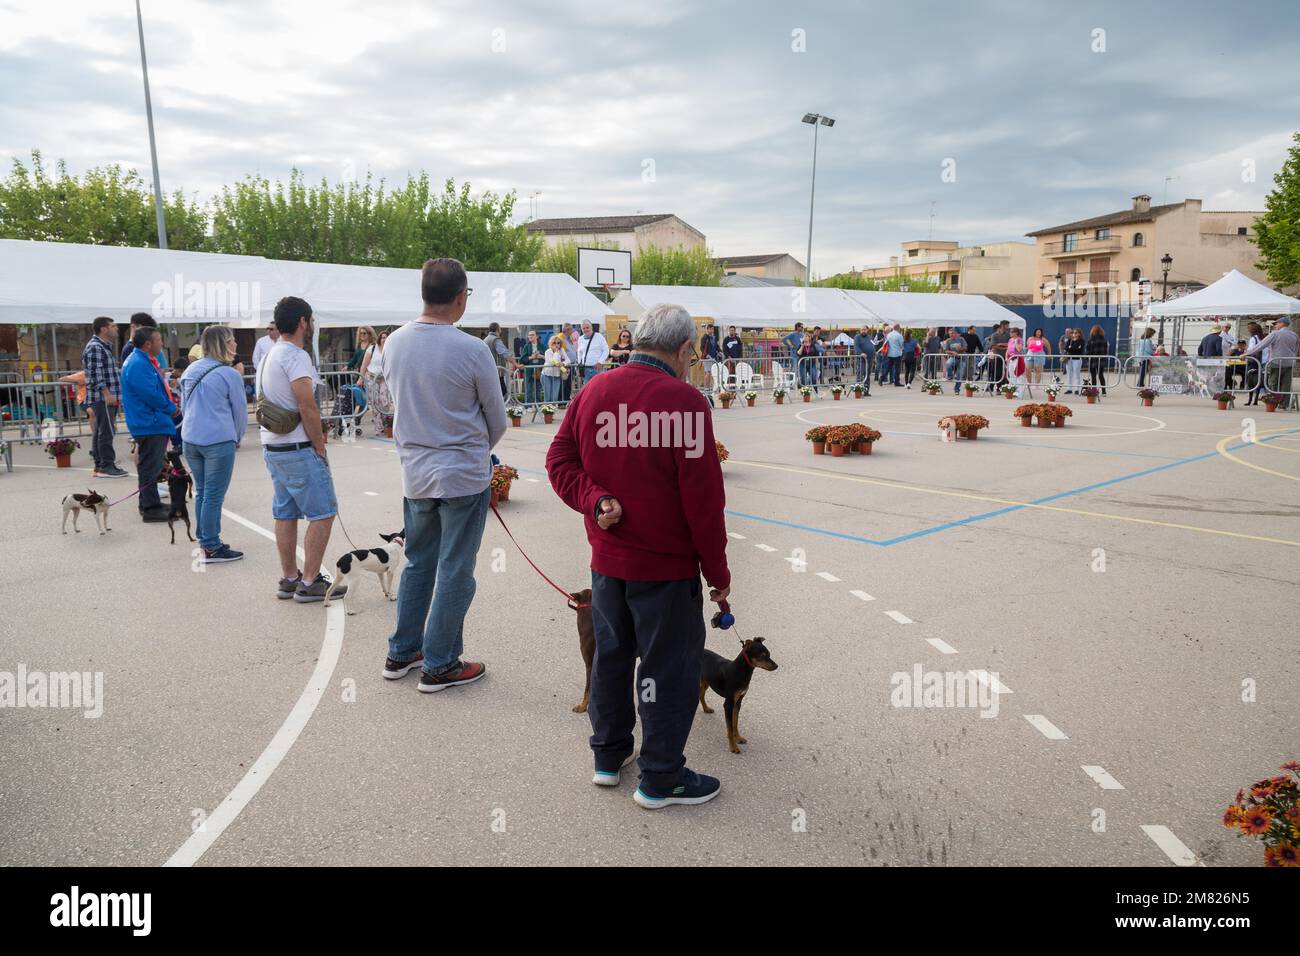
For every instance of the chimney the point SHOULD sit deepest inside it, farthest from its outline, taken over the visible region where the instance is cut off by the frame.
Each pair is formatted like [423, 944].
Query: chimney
[1142, 203]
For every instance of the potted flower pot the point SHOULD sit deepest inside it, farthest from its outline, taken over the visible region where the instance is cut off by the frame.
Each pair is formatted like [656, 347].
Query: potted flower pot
[1148, 402]
[970, 393]
[1223, 406]
[972, 434]
[1026, 420]
[1009, 396]
[516, 422]
[835, 395]
[1044, 423]
[547, 417]
[493, 498]
[865, 447]
[1092, 399]
[1059, 423]
[819, 448]
[749, 402]
[807, 398]
[504, 493]
[726, 403]
[780, 399]
[63, 461]
[388, 431]
[1270, 406]
[837, 451]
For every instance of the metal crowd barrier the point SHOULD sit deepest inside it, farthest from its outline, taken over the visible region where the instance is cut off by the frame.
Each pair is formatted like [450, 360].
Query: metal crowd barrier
[1281, 377]
[25, 407]
[1189, 375]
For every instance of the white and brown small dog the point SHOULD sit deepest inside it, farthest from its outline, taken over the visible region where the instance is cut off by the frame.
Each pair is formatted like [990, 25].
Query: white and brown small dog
[382, 562]
[948, 430]
[93, 502]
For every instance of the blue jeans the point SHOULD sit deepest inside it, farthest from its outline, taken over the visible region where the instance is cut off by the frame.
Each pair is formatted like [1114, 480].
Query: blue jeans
[551, 388]
[895, 366]
[212, 466]
[442, 541]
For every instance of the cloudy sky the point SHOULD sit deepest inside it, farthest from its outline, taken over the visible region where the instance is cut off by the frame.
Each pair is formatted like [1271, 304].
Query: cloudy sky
[1047, 112]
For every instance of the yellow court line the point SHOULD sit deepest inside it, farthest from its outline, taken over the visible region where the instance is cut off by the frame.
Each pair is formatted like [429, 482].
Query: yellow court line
[1222, 449]
[1022, 504]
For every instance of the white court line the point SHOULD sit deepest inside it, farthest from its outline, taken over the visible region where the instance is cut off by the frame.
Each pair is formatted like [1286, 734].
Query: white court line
[942, 646]
[534, 480]
[738, 537]
[827, 576]
[1045, 727]
[1174, 848]
[765, 547]
[373, 494]
[900, 617]
[1103, 779]
[863, 595]
[984, 677]
[229, 809]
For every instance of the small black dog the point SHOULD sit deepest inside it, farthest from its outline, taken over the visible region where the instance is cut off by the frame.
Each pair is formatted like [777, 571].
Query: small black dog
[179, 486]
[730, 681]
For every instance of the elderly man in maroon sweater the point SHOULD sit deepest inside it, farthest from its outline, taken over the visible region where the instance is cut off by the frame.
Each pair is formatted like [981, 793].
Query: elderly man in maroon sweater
[635, 457]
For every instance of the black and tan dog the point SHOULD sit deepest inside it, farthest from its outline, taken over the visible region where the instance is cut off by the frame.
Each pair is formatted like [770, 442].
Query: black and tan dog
[730, 681]
[93, 502]
[179, 486]
[586, 641]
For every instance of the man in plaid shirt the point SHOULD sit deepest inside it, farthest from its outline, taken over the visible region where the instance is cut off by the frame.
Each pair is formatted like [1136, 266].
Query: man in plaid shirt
[103, 395]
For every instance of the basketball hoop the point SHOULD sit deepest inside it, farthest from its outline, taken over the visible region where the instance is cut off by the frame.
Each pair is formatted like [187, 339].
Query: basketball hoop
[612, 289]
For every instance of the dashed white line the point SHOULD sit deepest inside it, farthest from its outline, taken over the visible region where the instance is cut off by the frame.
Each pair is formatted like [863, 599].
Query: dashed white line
[942, 646]
[862, 595]
[827, 576]
[372, 494]
[900, 617]
[535, 481]
[1045, 727]
[765, 547]
[1174, 848]
[738, 537]
[1103, 779]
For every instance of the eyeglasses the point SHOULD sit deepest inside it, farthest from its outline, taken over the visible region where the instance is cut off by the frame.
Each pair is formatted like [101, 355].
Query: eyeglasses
[468, 292]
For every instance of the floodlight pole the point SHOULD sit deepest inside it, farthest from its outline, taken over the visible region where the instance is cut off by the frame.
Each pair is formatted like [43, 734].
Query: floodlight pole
[812, 195]
[153, 146]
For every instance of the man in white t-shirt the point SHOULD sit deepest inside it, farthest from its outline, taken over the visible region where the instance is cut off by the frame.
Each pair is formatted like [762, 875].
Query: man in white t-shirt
[264, 344]
[592, 351]
[300, 472]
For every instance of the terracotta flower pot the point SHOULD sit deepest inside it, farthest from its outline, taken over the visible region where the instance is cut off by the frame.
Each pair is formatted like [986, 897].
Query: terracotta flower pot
[865, 447]
[516, 422]
[1223, 406]
[857, 394]
[749, 402]
[1044, 423]
[1059, 423]
[780, 399]
[1148, 402]
[1026, 420]
[493, 498]
[835, 395]
[1269, 407]
[972, 434]
[837, 451]
[819, 448]
[1009, 395]
[547, 417]
[504, 494]
[726, 403]
[63, 461]
[388, 431]
[1092, 399]
[807, 398]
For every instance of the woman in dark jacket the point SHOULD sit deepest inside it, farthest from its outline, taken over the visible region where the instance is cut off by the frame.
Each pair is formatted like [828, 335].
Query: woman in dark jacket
[1097, 346]
[1074, 349]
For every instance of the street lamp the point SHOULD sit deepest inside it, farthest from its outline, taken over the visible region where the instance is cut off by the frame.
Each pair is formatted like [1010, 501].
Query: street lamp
[1165, 262]
[153, 146]
[814, 120]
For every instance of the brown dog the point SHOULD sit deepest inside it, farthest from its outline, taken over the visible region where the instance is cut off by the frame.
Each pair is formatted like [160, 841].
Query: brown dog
[586, 642]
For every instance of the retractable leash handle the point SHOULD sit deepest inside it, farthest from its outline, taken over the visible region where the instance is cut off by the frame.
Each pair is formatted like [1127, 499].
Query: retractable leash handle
[723, 619]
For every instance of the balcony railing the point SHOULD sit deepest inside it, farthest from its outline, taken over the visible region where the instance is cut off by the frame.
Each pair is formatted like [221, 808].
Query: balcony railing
[1069, 279]
[1084, 245]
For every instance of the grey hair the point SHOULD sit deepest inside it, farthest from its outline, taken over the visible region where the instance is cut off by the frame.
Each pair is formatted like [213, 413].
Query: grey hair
[215, 342]
[663, 328]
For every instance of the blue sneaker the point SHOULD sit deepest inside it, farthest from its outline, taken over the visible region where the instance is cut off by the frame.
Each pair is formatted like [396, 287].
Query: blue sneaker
[694, 788]
[221, 554]
[610, 778]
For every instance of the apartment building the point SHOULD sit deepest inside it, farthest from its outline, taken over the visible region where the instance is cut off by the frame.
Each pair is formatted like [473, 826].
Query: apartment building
[633, 233]
[995, 268]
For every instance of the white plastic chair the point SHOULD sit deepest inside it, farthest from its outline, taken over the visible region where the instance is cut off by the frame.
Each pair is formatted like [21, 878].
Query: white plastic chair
[746, 377]
[718, 375]
[780, 377]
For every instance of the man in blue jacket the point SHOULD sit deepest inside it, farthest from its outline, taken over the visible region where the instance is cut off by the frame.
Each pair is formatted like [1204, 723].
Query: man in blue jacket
[149, 410]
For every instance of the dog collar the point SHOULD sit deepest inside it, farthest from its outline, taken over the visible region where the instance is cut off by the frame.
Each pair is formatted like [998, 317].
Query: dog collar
[748, 663]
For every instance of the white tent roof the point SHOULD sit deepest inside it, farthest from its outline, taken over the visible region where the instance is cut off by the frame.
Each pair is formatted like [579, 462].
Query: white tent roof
[932, 309]
[46, 282]
[782, 307]
[1234, 294]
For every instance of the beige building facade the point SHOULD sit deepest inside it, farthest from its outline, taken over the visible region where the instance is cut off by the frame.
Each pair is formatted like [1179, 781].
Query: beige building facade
[633, 233]
[780, 265]
[994, 268]
[1102, 256]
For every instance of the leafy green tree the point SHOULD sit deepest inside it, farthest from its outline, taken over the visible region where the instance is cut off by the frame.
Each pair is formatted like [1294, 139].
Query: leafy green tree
[1278, 230]
[694, 266]
[105, 206]
[860, 283]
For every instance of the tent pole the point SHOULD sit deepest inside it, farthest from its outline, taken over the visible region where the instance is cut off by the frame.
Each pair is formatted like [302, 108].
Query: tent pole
[54, 348]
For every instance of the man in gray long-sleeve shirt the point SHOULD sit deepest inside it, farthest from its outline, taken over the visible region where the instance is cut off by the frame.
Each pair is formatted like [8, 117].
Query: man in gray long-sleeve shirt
[448, 414]
[1280, 346]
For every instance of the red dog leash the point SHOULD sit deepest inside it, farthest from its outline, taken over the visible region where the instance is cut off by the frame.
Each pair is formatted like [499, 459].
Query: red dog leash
[569, 599]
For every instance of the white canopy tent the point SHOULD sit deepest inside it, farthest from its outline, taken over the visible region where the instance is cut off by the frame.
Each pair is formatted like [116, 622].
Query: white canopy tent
[783, 306]
[43, 283]
[933, 309]
[1234, 294]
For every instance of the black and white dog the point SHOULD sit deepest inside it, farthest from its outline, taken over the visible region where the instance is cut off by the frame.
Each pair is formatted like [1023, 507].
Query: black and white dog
[382, 562]
[93, 502]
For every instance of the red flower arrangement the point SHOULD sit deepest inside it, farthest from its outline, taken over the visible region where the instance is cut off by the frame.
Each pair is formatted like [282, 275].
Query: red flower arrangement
[1271, 811]
[723, 454]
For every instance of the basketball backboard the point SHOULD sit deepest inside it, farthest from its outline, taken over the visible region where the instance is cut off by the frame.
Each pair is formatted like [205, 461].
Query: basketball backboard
[600, 268]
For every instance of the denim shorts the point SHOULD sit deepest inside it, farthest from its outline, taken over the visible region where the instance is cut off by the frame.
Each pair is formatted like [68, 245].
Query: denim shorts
[302, 483]
[1036, 358]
